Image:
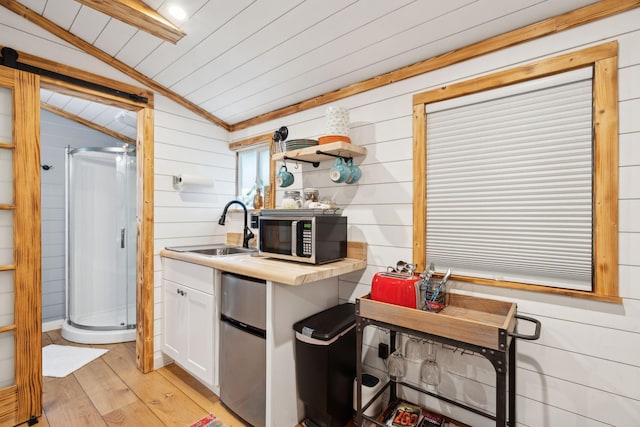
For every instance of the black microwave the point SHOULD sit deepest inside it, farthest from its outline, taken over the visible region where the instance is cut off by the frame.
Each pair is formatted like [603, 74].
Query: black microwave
[314, 239]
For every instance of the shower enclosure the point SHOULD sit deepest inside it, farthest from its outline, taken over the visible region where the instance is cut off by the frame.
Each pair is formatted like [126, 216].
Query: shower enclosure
[100, 245]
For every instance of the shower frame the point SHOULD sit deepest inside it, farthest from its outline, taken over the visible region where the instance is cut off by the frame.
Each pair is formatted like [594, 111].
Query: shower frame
[93, 334]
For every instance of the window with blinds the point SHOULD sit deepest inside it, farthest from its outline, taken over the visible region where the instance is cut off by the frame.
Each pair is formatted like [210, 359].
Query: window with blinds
[509, 182]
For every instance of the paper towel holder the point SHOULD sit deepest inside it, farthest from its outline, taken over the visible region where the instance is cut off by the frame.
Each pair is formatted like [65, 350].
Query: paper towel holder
[182, 180]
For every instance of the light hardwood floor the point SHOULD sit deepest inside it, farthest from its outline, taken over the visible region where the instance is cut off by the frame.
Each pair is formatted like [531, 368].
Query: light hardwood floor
[110, 391]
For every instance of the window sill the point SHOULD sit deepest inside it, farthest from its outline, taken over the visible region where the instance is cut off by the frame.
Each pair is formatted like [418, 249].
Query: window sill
[542, 289]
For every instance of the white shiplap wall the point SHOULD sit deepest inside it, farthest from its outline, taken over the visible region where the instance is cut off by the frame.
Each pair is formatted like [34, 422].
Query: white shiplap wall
[585, 369]
[186, 144]
[56, 133]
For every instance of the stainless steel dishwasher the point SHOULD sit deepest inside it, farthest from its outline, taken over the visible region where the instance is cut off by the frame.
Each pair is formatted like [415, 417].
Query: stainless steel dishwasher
[243, 347]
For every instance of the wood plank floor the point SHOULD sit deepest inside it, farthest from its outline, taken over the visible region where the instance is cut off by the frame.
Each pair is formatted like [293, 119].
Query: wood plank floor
[110, 391]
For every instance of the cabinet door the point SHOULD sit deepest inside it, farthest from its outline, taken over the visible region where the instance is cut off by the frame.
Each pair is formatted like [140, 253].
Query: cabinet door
[188, 274]
[174, 338]
[199, 334]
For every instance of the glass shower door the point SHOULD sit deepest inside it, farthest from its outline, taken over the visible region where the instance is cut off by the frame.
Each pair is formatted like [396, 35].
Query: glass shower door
[129, 166]
[101, 233]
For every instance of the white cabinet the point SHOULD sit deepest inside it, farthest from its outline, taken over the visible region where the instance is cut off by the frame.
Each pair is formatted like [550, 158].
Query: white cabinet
[190, 318]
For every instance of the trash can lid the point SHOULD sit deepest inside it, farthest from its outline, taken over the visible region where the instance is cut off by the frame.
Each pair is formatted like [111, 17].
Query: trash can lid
[326, 324]
[369, 380]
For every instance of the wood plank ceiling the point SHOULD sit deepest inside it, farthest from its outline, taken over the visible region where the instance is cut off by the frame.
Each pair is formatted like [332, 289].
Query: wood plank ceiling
[243, 58]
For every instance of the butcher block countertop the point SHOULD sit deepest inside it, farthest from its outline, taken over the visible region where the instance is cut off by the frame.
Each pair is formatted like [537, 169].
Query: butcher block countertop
[289, 273]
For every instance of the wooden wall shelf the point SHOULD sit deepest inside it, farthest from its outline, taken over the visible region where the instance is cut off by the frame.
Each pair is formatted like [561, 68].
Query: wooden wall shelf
[343, 149]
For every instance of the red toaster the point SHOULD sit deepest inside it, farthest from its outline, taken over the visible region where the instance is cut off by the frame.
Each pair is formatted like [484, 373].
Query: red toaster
[396, 288]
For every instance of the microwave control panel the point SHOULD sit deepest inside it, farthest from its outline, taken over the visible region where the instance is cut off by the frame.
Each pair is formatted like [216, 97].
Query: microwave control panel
[306, 238]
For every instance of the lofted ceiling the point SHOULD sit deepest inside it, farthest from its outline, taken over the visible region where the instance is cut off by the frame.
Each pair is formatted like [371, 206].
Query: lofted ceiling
[241, 59]
[108, 119]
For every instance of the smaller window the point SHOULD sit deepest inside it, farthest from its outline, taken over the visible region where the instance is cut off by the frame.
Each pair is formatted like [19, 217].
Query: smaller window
[253, 173]
[255, 169]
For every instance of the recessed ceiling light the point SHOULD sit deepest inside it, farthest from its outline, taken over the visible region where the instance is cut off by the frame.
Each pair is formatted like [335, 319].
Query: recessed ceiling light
[177, 12]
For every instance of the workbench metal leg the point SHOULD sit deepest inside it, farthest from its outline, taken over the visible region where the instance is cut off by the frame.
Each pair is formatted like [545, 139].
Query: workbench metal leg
[359, 330]
[393, 392]
[501, 392]
[512, 383]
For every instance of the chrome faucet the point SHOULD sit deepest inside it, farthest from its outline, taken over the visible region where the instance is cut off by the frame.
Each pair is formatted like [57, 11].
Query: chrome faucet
[247, 234]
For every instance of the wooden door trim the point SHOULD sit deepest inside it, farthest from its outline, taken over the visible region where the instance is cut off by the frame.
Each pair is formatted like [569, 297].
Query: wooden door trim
[145, 179]
[144, 241]
[27, 246]
[88, 94]
[144, 220]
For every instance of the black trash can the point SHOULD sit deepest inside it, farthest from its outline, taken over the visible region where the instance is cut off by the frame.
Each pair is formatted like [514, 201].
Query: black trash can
[326, 364]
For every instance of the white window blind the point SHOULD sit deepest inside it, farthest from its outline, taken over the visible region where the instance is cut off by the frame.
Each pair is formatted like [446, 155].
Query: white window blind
[509, 182]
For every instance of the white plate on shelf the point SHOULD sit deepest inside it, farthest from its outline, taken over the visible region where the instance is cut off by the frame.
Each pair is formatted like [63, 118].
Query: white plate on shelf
[296, 144]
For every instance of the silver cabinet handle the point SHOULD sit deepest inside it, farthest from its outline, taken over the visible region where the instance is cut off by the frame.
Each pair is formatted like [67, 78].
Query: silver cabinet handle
[122, 238]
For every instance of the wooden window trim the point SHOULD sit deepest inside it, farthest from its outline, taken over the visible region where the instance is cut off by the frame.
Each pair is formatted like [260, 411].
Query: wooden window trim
[603, 59]
[255, 140]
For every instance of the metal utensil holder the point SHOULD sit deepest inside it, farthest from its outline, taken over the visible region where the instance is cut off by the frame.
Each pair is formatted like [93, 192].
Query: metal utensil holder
[434, 298]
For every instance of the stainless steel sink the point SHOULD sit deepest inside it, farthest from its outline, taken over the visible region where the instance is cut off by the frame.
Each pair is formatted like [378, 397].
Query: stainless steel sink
[229, 250]
[213, 250]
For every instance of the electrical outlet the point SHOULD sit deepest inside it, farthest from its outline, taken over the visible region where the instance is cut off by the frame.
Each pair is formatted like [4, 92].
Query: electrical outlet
[383, 351]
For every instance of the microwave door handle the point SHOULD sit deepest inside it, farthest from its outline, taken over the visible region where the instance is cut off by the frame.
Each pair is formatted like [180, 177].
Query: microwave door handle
[294, 238]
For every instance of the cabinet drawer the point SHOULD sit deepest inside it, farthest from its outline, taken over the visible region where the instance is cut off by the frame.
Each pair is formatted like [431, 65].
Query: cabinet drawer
[193, 275]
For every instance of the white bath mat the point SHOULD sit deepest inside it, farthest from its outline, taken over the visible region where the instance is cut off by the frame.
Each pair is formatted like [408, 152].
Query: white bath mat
[61, 360]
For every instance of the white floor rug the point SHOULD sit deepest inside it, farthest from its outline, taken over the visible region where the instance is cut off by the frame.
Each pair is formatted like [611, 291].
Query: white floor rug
[61, 360]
